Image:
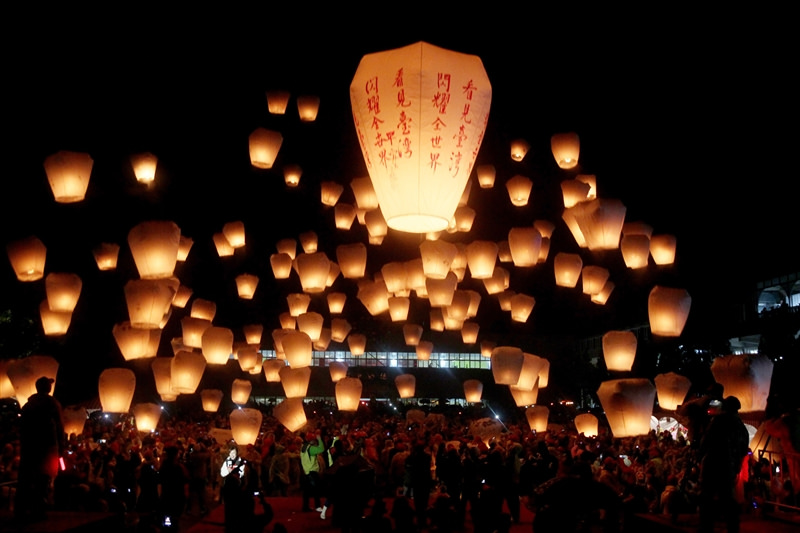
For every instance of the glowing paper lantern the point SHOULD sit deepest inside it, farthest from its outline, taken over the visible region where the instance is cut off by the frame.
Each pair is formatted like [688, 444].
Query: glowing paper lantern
[281, 265]
[668, 309]
[374, 295]
[469, 332]
[537, 416]
[463, 218]
[298, 303]
[217, 345]
[6, 388]
[398, 308]
[336, 301]
[357, 342]
[246, 286]
[424, 350]
[68, 174]
[519, 190]
[292, 174]
[307, 107]
[310, 323]
[529, 375]
[27, 258]
[746, 376]
[524, 244]
[481, 258]
[291, 414]
[338, 370]
[437, 257]
[436, 320]
[348, 394]
[186, 371]
[272, 369]
[391, 95]
[521, 307]
[234, 233]
[635, 250]
[473, 390]
[245, 425]
[248, 357]
[295, 381]
[486, 176]
[147, 416]
[136, 343]
[144, 167]
[154, 246]
[340, 328]
[672, 389]
[182, 296]
[376, 226]
[586, 424]
[264, 147]
[619, 350]
[116, 387]
[507, 364]
[352, 259]
[519, 147]
[600, 222]
[565, 147]
[406, 385]
[594, 277]
[240, 391]
[277, 101]
[343, 216]
[441, 291]
[211, 399]
[253, 333]
[184, 247]
[149, 300]
[74, 418]
[162, 374]
[487, 347]
[602, 296]
[223, 247]
[498, 282]
[570, 219]
[522, 397]
[330, 191]
[544, 373]
[395, 276]
[105, 255]
[574, 191]
[298, 349]
[23, 373]
[54, 323]
[662, 248]
[628, 404]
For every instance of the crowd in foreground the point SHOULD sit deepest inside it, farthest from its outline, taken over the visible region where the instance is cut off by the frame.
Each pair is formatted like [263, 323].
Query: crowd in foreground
[436, 469]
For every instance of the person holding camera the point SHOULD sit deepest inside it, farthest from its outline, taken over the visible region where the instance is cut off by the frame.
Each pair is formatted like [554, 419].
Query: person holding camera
[234, 486]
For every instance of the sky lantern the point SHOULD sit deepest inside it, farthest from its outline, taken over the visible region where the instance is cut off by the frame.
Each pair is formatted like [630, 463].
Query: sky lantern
[136, 343]
[253, 333]
[601, 297]
[441, 291]
[291, 414]
[240, 391]
[469, 332]
[144, 167]
[27, 258]
[54, 323]
[116, 387]
[412, 333]
[568, 268]
[591, 181]
[74, 418]
[628, 404]
[537, 416]
[338, 370]
[248, 357]
[746, 376]
[23, 373]
[277, 101]
[311, 324]
[223, 247]
[298, 303]
[246, 286]
[336, 301]
[287, 246]
[186, 371]
[272, 369]
[668, 309]
[357, 342]
[292, 174]
[569, 216]
[147, 415]
[507, 362]
[566, 148]
[395, 276]
[154, 245]
[330, 191]
[234, 233]
[411, 95]
[193, 329]
[211, 399]
[486, 348]
[352, 259]
[594, 277]
[281, 265]
[68, 174]
[182, 296]
[344, 215]
[544, 373]
[324, 340]
[464, 218]
[309, 241]
[348, 393]
[148, 300]
[521, 306]
[398, 308]
[523, 397]
[6, 388]
[162, 375]
[545, 229]
[340, 328]
[377, 228]
[486, 176]
[498, 282]
[587, 424]
[481, 258]
[424, 349]
[672, 389]
[217, 345]
[619, 350]
[264, 147]
[106, 255]
[307, 107]
[635, 249]
[574, 191]
[406, 385]
[245, 425]
[297, 346]
[437, 257]
[519, 190]
[374, 295]
[519, 148]
[524, 243]
[473, 390]
[600, 222]
[184, 247]
[295, 381]
[504, 299]
[529, 375]
[662, 248]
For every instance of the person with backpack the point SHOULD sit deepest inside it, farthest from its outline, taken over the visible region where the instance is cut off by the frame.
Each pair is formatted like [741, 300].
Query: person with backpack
[311, 480]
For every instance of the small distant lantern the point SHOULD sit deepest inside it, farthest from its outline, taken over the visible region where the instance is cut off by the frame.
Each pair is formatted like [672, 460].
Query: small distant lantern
[343, 216]
[424, 350]
[144, 167]
[519, 147]
[574, 192]
[662, 248]
[398, 308]
[507, 364]
[272, 369]
[352, 259]
[253, 333]
[54, 323]
[746, 376]
[106, 255]
[481, 258]
[504, 299]
[602, 297]
[376, 225]
[234, 233]
[619, 350]
[136, 343]
[298, 349]
[519, 190]
[308, 107]
[277, 101]
[628, 404]
[524, 244]
[184, 247]
[437, 257]
[291, 414]
[412, 333]
[498, 282]
[248, 357]
[672, 389]
[521, 307]
[469, 332]
[464, 217]
[635, 250]
[281, 265]
[154, 245]
[68, 174]
[340, 328]
[264, 147]
[292, 174]
[74, 418]
[223, 247]
[594, 277]
[313, 269]
[586, 424]
[245, 425]
[426, 198]
[193, 329]
[330, 191]
[436, 319]
[487, 347]
[473, 390]
[336, 301]
[211, 399]
[568, 268]
[298, 303]
[668, 309]
[27, 258]
[217, 345]
[357, 342]
[246, 286]
[116, 387]
[486, 176]
[537, 416]
[348, 393]
[295, 381]
[406, 385]
[338, 370]
[565, 147]
[240, 391]
[147, 416]
[182, 296]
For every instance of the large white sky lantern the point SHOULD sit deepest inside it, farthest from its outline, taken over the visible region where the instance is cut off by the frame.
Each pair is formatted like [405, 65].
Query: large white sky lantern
[420, 113]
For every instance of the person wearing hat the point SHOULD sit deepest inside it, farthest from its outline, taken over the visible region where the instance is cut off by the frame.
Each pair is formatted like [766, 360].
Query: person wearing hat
[42, 442]
[311, 481]
[724, 446]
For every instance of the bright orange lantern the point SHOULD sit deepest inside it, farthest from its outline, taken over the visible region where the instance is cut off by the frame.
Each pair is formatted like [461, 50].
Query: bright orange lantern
[352, 259]
[338, 370]
[68, 174]
[264, 147]
[519, 190]
[245, 425]
[348, 393]
[424, 350]
[27, 258]
[486, 176]
[277, 101]
[473, 390]
[295, 381]
[519, 148]
[406, 385]
[298, 348]
[628, 404]
[668, 309]
[308, 107]
[116, 387]
[106, 255]
[291, 414]
[537, 416]
[291, 175]
[136, 343]
[662, 248]
[240, 391]
[272, 369]
[567, 269]
[336, 301]
[154, 246]
[507, 364]
[619, 350]
[144, 167]
[246, 286]
[217, 345]
[746, 376]
[330, 191]
[587, 424]
[186, 372]
[417, 76]
[672, 389]
[357, 342]
[565, 147]
[147, 416]
[54, 323]
[524, 244]
[211, 399]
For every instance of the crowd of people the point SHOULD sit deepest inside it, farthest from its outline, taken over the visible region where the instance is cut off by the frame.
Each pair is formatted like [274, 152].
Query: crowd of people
[434, 473]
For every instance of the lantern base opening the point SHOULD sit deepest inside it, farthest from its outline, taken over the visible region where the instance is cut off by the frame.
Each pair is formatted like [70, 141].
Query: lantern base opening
[417, 223]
